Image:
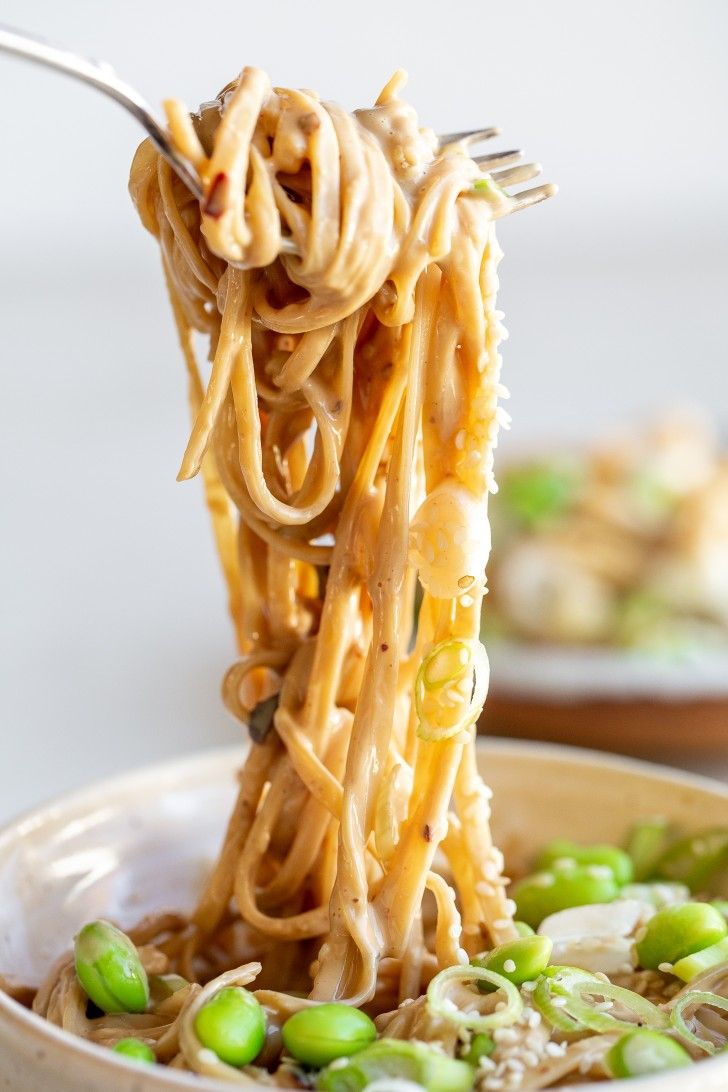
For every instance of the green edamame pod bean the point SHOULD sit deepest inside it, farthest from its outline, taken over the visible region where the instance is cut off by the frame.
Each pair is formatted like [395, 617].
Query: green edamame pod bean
[481, 1046]
[232, 1025]
[689, 967]
[696, 859]
[537, 494]
[522, 929]
[646, 843]
[546, 892]
[396, 1058]
[562, 850]
[644, 1051]
[109, 969]
[521, 960]
[135, 1050]
[317, 1035]
[678, 931]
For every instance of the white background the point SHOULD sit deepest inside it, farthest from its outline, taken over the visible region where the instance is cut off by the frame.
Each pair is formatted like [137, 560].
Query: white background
[112, 621]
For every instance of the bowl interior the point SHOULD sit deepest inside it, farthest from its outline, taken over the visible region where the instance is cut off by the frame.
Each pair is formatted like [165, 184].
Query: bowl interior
[144, 841]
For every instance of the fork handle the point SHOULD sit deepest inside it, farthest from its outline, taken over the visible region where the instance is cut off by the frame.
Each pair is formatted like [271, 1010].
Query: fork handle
[100, 75]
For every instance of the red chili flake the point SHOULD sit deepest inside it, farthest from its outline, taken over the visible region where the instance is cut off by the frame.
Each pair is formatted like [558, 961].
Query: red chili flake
[427, 833]
[215, 201]
[384, 648]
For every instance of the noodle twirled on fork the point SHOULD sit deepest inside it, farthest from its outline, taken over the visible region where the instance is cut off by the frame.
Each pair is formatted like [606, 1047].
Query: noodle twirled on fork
[342, 268]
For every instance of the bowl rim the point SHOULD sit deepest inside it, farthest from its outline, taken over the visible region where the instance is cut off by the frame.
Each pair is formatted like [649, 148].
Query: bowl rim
[24, 1022]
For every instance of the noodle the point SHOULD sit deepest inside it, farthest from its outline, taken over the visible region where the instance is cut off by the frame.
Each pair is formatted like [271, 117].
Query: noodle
[342, 268]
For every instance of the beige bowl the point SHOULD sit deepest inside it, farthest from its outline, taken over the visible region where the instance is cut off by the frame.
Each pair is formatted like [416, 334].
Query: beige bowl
[142, 842]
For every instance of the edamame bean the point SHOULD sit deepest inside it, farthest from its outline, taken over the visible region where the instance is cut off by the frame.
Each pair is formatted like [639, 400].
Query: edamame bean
[109, 969]
[397, 1058]
[689, 967]
[610, 856]
[232, 1025]
[538, 494]
[481, 1046]
[646, 843]
[678, 931]
[317, 1035]
[135, 1050]
[696, 859]
[520, 961]
[546, 892]
[643, 1051]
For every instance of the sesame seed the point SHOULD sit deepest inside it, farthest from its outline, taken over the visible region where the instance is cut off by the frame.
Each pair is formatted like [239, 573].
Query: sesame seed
[555, 1050]
[339, 1063]
[505, 1035]
[509, 966]
[599, 872]
[666, 968]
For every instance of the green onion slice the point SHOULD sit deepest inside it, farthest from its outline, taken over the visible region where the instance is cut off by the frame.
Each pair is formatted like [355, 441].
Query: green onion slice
[441, 1005]
[444, 667]
[695, 998]
[556, 1016]
[574, 986]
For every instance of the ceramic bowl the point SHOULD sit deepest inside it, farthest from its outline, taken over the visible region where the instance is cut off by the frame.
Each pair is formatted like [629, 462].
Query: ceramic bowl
[142, 842]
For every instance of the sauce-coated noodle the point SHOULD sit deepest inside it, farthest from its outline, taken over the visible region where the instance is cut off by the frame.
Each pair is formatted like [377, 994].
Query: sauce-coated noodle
[343, 269]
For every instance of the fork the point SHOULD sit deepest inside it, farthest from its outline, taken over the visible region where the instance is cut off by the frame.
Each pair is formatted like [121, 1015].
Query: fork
[102, 76]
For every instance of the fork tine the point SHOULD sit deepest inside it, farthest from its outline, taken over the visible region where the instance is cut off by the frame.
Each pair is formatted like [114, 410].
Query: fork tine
[470, 136]
[526, 198]
[498, 159]
[524, 172]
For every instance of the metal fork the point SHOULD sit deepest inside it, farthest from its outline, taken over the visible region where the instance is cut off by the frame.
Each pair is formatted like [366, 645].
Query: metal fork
[101, 75]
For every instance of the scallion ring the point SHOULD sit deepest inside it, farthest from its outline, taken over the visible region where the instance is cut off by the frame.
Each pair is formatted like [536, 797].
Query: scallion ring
[476, 1021]
[695, 998]
[569, 1011]
[436, 698]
